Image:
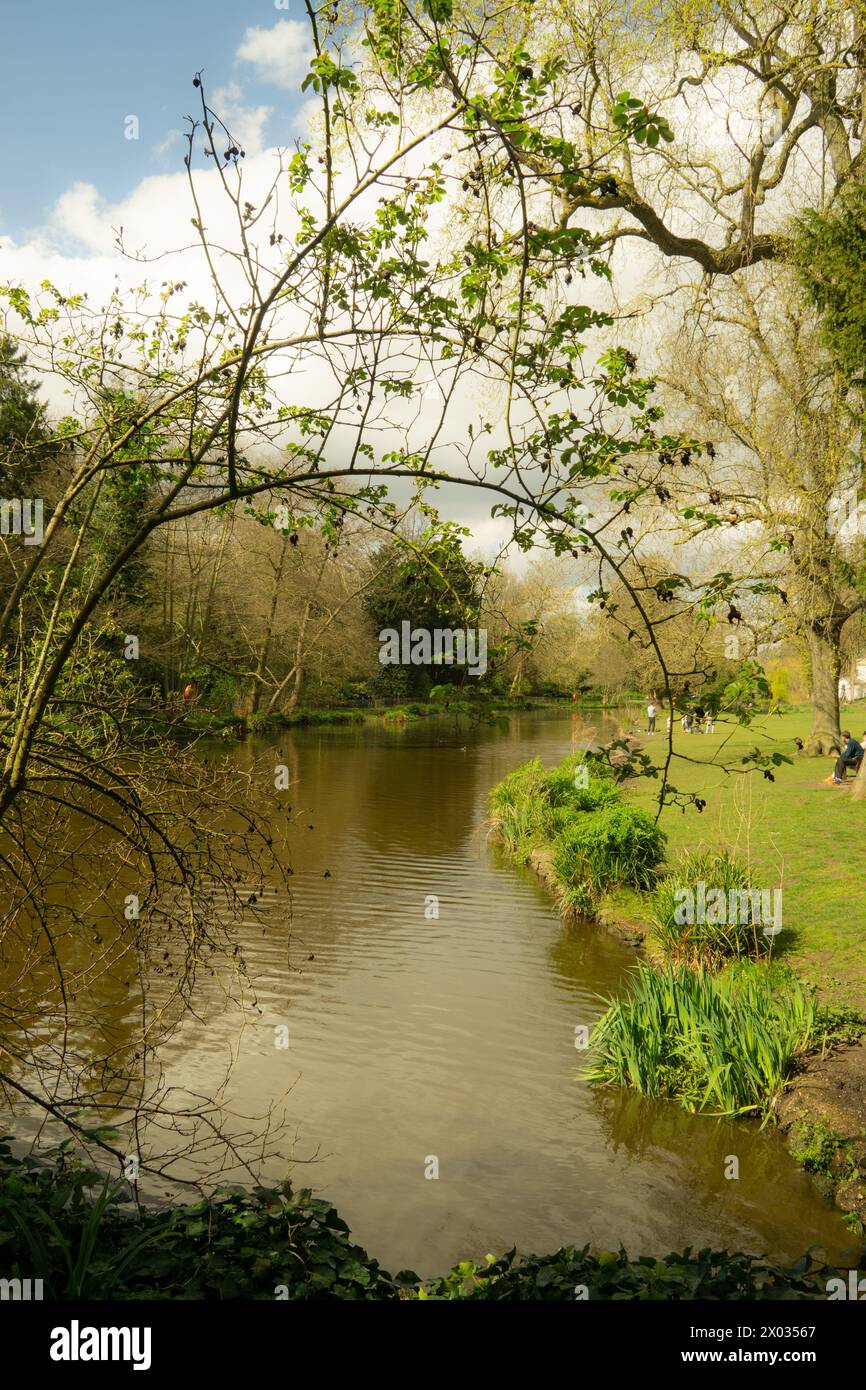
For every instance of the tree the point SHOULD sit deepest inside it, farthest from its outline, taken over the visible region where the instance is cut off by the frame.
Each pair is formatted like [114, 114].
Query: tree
[829, 256]
[24, 429]
[427, 581]
[747, 368]
[694, 127]
[337, 353]
[534, 640]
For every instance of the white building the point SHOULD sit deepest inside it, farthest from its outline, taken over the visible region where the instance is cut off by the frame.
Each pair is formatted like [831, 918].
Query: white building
[852, 686]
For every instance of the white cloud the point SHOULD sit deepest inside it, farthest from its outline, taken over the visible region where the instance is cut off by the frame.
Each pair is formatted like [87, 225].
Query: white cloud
[79, 217]
[281, 55]
[246, 123]
[168, 144]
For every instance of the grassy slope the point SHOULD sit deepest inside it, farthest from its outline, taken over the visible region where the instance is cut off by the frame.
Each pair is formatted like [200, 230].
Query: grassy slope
[797, 832]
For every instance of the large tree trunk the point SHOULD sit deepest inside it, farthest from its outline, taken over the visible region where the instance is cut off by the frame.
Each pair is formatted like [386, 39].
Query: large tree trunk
[824, 667]
[858, 791]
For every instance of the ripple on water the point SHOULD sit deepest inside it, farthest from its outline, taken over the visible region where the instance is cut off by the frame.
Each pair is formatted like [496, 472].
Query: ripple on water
[454, 1036]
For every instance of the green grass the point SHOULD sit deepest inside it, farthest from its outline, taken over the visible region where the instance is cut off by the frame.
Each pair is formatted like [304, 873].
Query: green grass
[796, 833]
[822, 1151]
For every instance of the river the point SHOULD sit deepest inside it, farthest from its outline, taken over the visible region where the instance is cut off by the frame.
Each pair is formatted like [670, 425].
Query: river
[414, 1036]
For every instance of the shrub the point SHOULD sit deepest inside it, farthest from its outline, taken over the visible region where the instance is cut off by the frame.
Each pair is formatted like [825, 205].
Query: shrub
[234, 1244]
[608, 1274]
[722, 1043]
[561, 789]
[223, 692]
[604, 849]
[704, 942]
[531, 806]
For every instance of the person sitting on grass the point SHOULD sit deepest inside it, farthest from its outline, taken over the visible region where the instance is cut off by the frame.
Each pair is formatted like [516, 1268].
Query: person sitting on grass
[851, 756]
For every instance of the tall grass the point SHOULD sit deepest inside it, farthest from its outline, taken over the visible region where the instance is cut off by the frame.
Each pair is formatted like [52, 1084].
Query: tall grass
[704, 943]
[597, 842]
[724, 1043]
[605, 849]
[530, 807]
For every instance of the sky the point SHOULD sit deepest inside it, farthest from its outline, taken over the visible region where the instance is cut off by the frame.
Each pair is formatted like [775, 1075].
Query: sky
[79, 77]
[75, 70]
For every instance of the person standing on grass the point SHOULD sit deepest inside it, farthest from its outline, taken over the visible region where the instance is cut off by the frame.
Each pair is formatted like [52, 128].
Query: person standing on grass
[651, 718]
[851, 756]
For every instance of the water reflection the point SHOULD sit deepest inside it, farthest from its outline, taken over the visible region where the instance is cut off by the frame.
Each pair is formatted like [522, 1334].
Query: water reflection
[413, 1034]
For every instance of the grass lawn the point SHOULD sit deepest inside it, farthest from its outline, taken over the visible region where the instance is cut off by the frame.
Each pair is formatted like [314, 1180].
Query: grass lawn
[798, 833]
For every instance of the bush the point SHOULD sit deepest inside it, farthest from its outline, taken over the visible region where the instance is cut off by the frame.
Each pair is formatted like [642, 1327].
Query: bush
[222, 692]
[531, 807]
[721, 1043]
[609, 1274]
[618, 845]
[704, 942]
[561, 789]
[234, 1244]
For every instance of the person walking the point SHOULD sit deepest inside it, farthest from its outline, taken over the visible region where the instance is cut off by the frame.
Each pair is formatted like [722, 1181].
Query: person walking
[651, 718]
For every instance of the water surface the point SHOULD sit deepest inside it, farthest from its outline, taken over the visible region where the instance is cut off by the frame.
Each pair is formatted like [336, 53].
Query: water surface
[414, 1036]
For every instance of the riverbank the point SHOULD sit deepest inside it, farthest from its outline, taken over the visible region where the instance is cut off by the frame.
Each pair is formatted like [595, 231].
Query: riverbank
[805, 836]
[200, 721]
[65, 1225]
[796, 833]
[767, 827]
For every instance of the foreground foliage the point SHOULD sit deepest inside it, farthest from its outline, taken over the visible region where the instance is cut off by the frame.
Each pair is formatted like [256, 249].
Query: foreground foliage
[583, 1274]
[70, 1227]
[67, 1226]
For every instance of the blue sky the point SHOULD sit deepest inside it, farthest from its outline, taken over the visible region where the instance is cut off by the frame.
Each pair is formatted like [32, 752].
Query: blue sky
[73, 70]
